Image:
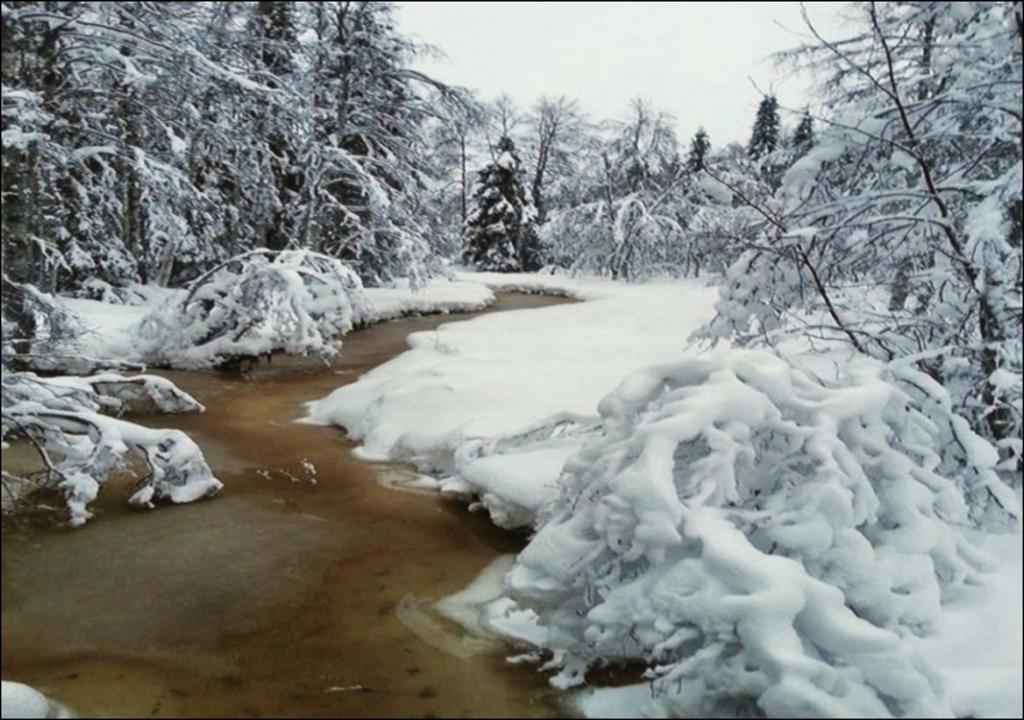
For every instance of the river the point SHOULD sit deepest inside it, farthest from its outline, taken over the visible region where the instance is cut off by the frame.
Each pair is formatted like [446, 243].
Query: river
[281, 597]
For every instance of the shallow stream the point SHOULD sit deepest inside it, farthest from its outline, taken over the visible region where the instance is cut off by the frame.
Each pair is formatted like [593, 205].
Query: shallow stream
[290, 594]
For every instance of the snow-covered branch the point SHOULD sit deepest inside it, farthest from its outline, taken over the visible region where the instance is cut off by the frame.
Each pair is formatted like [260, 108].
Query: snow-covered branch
[67, 420]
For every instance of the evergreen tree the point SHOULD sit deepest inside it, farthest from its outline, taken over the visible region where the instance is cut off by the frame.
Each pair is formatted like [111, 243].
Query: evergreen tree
[803, 137]
[765, 136]
[499, 231]
[699, 148]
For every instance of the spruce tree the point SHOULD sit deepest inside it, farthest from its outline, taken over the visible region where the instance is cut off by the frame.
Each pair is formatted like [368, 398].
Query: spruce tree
[765, 136]
[699, 147]
[803, 136]
[499, 231]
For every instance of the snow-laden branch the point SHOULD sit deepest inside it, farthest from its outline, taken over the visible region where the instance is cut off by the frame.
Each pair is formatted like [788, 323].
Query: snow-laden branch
[79, 445]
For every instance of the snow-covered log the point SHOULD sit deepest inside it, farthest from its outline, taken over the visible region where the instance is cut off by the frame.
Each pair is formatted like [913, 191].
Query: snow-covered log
[80, 446]
[255, 304]
[762, 540]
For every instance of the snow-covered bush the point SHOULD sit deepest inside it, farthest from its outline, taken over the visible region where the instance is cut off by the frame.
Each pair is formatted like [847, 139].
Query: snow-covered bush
[763, 540]
[638, 238]
[79, 446]
[255, 304]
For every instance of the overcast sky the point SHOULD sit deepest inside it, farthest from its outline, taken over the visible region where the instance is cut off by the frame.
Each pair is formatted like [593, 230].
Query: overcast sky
[694, 60]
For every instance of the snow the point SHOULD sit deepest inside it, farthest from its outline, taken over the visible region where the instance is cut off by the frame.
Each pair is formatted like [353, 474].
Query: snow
[512, 485]
[507, 161]
[482, 607]
[977, 648]
[81, 446]
[617, 702]
[108, 328]
[18, 139]
[440, 296]
[832, 596]
[22, 701]
[509, 374]
[111, 329]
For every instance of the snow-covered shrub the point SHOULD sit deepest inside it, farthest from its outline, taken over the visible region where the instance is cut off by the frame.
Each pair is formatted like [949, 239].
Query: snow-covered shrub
[762, 540]
[79, 446]
[639, 238]
[257, 303]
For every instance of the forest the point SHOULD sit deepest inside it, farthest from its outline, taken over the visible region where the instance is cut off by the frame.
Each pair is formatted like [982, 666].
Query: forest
[747, 415]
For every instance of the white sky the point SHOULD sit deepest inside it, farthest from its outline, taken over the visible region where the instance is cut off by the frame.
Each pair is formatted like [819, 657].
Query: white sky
[694, 60]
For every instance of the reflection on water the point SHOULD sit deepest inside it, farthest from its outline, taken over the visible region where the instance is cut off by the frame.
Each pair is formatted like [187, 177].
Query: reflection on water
[294, 593]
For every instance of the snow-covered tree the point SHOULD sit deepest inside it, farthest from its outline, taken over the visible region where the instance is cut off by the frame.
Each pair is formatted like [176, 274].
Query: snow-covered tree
[67, 420]
[700, 146]
[764, 138]
[452, 143]
[500, 233]
[627, 214]
[148, 142]
[559, 136]
[912, 191]
[803, 136]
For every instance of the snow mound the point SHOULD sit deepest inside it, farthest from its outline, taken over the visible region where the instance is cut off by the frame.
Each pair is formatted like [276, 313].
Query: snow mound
[295, 301]
[763, 541]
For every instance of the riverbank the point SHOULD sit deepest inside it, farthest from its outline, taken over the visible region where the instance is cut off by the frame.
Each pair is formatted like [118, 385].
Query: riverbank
[459, 403]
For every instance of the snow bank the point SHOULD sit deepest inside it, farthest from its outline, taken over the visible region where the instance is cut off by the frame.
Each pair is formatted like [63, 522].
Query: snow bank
[484, 609]
[467, 396]
[977, 649]
[440, 296]
[558, 284]
[109, 329]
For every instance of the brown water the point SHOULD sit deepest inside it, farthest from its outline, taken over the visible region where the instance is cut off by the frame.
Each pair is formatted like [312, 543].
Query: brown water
[280, 597]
